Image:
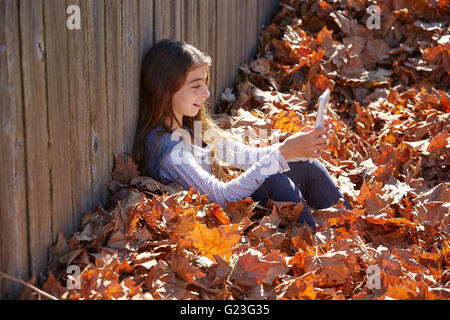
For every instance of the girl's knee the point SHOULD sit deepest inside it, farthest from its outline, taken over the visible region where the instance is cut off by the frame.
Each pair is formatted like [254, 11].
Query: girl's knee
[314, 168]
[282, 188]
[279, 180]
[318, 166]
[317, 170]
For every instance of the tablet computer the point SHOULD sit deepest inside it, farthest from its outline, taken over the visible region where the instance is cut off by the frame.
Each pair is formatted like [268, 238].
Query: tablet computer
[322, 109]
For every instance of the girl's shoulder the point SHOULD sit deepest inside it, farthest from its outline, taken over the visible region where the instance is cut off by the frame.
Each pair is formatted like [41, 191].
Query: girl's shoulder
[162, 140]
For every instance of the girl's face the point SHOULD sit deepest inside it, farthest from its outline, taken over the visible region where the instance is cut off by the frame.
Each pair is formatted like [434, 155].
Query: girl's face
[189, 99]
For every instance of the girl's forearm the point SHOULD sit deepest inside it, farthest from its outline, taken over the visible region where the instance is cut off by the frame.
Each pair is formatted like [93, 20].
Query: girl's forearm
[285, 151]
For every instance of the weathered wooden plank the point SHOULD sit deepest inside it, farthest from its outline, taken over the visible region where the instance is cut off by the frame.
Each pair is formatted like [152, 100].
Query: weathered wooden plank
[79, 116]
[241, 18]
[161, 20]
[252, 28]
[146, 26]
[36, 134]
[201, 25]
[13, 209]
[58, 116]
[208, 35]
[95, 27]
[168, 19]
[260, 20]
[176, 18]
[232, 55]
[131, 56]
[114, 75]
[190, 23]
[146, 31]
[225, 46]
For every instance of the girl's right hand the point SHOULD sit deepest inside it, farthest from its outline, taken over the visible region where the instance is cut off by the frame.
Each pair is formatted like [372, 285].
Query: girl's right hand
[306, 143]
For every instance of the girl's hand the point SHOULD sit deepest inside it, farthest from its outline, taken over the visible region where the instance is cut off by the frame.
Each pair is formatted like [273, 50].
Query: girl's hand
[306, 143]
[327, 122]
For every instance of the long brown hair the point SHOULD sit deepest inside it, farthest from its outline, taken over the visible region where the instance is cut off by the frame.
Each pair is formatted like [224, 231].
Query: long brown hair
[163, 72]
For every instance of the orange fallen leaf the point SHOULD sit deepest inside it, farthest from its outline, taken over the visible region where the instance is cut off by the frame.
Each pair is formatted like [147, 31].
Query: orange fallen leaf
[215, 241]
[441, 141]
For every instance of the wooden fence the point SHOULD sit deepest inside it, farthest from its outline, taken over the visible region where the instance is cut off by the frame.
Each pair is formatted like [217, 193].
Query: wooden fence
[69, 102]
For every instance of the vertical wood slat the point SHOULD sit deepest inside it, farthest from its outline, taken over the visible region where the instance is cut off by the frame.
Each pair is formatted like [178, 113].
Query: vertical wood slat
[161, 14]
[232, 53]
[58, 116]
[252, 29]
[79, 116]
[176, 18]
[200, 21]
[13, 215]
[131, 63]
[146, 31]
[190, 24]
[224, 48]
[168, 19]
[114, 79]
[97, 99]
[146, 26]
[208, 27]
[36, 134]
[241, 18]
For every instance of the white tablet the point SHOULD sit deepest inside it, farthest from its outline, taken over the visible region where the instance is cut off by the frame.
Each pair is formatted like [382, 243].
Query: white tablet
[322, 109]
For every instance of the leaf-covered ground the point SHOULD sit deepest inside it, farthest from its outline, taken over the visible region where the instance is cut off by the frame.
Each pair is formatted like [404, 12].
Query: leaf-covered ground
[389, 153]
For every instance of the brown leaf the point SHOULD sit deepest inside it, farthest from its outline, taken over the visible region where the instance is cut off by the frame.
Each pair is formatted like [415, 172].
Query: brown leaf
[375, 52]
[441, 141]
[217, 214]
[288, 212]
[251, 269]
[296, 289]
[124, 172]
[333, 269]
[184, 269]
[215, 241]
[54, 287]
[238, 210]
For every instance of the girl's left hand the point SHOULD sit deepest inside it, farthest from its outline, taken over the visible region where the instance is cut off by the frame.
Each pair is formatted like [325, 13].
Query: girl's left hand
[327, 121]
[326, 124]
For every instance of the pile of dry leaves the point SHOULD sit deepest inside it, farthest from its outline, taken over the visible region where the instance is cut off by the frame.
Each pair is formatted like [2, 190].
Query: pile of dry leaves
[389, 152]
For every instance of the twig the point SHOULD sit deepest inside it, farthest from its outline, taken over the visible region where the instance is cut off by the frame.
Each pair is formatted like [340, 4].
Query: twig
[45, 294]
[262, 208]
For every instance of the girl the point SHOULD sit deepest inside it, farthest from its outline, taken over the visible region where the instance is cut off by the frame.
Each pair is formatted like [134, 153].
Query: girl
[173, 93]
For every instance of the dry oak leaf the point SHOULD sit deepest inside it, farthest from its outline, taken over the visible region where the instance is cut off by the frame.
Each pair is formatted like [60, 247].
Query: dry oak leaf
[333, 269]
[215, 241]
[124, 172]
[238, 210]
[251, 269]
[184, 269]
[296, 289]
[441, 141]
[289, 122]
[186, 223]
[288, 212]
[217, 214]
[54, 287]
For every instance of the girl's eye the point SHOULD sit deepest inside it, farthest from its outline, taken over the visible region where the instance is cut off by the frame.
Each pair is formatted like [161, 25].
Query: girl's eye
[196, 87]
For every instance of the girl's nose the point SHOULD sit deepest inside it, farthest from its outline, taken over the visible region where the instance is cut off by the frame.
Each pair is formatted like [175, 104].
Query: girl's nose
[205, 92]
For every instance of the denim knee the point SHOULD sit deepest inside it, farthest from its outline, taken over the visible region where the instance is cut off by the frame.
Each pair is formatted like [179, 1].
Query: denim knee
[316, 184]
[277, 187]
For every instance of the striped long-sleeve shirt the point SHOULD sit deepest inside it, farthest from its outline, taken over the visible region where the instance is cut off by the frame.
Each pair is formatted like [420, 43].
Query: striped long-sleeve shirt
[189, 166]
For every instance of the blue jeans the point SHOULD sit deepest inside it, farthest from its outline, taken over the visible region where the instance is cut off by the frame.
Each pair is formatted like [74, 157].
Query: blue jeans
[304, 181]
